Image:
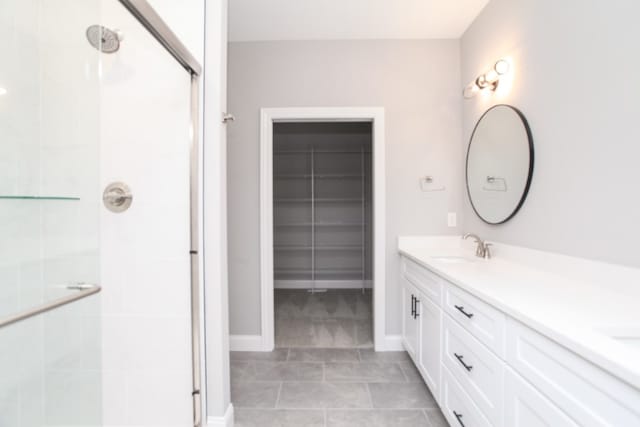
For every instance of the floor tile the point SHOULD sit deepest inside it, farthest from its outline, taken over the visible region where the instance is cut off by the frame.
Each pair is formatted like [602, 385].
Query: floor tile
[364, 333]
[279, 354]
[336, 318]
[278, 418]
[364, 372]
[329, 333]
[401, 396]
[436, 418]
[254, 394]
[242, 370]
[333, 304]
[288, 371]
[324, 395]
[276, 371]
[323, 355]
[376, 418]
[411, 372]
[369, 355]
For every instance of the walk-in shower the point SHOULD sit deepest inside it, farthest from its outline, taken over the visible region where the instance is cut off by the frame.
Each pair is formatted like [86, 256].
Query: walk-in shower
[99, 308]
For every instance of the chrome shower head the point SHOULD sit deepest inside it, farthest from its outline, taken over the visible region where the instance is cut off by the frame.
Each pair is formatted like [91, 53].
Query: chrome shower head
[104, 39]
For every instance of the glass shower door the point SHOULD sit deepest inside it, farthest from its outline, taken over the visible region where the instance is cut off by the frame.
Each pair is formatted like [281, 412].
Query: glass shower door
[50, 324]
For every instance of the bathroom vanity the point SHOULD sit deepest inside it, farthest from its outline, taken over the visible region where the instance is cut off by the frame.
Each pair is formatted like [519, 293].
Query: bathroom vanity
[526, 338]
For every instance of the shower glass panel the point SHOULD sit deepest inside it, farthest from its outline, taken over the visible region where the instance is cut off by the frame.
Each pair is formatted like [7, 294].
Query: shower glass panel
[50, 363]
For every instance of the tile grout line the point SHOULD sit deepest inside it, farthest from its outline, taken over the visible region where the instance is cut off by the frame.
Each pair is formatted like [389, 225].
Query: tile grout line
[426, 415]
[278, 396]
[369, 394]
[406, 377]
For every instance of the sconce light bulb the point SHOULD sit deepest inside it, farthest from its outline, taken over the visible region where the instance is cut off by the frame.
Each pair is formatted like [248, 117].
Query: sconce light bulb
[470, 91]
[502, 67]
[488, 80]
[481, 82]
[491, 76]
[3, 91]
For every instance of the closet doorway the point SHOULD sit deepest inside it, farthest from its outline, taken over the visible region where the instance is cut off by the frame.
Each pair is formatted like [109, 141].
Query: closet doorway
[322, 227]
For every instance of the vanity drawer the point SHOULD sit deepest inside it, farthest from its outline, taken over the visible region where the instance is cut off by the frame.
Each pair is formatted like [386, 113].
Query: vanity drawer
[457, 406]
[524, 406]
[429, 283]
[587, 394]
[477, 369]
[483, 321]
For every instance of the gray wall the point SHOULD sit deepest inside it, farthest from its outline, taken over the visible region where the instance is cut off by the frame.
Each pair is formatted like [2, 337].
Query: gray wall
[576, 78]
[418, 84]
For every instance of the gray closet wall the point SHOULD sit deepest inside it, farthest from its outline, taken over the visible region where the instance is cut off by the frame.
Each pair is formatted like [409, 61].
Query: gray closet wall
[322, 205]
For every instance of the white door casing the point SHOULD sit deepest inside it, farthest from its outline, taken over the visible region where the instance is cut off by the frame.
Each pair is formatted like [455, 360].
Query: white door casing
[268, 116]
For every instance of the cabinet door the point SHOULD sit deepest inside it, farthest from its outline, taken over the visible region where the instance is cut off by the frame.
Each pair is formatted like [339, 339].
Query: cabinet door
[430, 318]
[527, 407]
[409, 321]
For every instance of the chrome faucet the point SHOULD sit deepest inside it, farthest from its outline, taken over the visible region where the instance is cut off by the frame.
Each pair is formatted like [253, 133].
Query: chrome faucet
[483, 248]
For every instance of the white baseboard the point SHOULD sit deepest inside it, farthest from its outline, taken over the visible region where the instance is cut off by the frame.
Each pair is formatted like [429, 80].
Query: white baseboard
[321, 284]
[246, 343]
[224, 421]
[391, 343]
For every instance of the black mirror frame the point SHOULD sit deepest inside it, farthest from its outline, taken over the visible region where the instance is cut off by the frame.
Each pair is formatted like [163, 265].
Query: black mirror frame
[525, 192]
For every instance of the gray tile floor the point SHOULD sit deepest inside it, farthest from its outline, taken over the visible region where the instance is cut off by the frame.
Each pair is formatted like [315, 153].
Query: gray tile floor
[337, 318]
[330, 387]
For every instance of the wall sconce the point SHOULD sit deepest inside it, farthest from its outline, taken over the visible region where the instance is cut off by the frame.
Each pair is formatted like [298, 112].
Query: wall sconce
[488, 80]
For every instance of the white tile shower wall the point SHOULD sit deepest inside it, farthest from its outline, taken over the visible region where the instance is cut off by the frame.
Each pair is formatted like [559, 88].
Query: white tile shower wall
[145, 122]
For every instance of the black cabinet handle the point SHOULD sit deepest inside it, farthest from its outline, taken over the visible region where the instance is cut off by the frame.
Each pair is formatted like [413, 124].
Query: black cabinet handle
[460, 357]
[413, 307]
[459, 418]
[461, 310]
[415, 313]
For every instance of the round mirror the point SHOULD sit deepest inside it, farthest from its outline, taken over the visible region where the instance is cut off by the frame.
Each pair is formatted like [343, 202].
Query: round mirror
[499, 164]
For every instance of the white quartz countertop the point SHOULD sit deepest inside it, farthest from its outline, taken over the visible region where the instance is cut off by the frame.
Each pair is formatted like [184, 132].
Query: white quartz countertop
[588, 307]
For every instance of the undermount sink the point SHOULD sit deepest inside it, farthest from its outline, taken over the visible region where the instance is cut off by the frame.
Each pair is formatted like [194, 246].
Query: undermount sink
[452, 259]
[629, 337]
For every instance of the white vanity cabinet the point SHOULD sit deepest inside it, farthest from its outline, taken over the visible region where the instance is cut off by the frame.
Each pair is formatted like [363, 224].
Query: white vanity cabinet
[527, 407]
[410, 322]
[485, 368]
[430, 317]
[422, 321]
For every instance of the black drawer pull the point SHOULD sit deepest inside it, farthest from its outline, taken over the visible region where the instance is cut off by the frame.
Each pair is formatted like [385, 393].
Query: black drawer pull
[460, 357]
[459, 418]
[415, 313]
[461, 310]
[413, 307]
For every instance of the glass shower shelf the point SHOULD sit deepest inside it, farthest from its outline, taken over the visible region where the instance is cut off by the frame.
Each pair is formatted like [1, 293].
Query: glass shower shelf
[64, 198]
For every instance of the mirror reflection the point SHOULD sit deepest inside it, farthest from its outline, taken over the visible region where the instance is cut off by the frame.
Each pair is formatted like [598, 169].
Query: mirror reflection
[499, 164]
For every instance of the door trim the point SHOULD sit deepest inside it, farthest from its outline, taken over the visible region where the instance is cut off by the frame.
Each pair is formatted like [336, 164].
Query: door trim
[268, 116]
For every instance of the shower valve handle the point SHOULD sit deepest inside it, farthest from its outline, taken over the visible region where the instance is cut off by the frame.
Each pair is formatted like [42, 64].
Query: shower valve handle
[117, 197]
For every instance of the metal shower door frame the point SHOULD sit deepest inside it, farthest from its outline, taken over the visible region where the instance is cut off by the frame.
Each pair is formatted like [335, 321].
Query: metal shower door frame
[150, 20]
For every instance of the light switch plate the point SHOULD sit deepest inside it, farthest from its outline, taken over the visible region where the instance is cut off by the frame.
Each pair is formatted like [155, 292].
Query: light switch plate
[452, 219]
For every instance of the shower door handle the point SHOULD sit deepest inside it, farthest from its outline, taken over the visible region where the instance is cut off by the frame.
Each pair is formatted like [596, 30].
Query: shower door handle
[84, 290]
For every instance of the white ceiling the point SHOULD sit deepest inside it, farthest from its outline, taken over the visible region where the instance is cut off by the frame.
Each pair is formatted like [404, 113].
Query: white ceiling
[253, 20]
